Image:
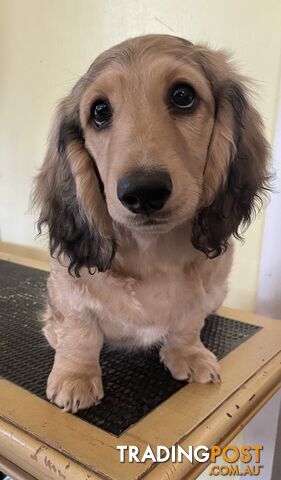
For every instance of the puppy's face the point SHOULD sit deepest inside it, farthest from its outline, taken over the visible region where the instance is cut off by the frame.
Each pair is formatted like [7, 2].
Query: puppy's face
[158, 132]
[148, 123]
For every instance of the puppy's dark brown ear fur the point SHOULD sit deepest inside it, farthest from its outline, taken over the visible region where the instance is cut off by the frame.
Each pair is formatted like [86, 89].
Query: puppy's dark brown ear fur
[236, 175]
[68, 193]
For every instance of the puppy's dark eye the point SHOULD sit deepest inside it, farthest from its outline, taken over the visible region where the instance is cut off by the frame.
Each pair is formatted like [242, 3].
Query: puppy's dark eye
[183, 96]
[101, 113]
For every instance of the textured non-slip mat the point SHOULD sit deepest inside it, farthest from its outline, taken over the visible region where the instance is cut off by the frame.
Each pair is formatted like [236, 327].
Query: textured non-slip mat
[134, 383]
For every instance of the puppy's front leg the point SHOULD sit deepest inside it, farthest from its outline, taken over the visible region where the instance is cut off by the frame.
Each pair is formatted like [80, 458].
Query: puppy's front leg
[75, 380]
[187, 359]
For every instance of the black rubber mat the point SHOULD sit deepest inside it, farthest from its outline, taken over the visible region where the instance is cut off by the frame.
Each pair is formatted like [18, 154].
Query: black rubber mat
[134, 383]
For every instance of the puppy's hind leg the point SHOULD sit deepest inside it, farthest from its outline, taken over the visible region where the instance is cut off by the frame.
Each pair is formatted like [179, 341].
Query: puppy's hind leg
[75, 380]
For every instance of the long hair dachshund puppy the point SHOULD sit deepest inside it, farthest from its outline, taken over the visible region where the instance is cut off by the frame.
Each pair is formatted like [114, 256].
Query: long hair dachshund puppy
[156, 159]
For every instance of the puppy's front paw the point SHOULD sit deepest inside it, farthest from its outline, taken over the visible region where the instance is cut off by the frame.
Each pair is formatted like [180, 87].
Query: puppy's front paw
[193, 364]
[74, 391]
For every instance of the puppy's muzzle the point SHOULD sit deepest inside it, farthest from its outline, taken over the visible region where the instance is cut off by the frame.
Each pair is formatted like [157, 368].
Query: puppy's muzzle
[144, 192]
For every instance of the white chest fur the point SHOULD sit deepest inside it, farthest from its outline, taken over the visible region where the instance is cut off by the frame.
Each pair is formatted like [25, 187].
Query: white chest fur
[151, 290]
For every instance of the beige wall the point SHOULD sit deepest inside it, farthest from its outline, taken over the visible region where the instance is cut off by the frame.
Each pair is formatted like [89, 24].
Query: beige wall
[46, 45]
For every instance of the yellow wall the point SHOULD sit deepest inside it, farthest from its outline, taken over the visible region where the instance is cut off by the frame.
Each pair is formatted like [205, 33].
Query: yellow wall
[46, 45]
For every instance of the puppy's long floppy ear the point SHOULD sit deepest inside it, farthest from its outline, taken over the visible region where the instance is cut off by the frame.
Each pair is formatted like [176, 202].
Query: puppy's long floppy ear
[68, 192]
[235, 176]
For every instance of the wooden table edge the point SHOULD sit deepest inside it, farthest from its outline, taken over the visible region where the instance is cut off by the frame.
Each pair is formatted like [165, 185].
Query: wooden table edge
[227, 421]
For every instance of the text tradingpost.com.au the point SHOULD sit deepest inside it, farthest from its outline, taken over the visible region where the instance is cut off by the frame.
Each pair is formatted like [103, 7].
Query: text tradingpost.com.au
[249, 457]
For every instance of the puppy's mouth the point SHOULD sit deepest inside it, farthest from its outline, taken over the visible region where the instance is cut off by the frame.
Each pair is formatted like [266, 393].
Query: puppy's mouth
[147, 221]
[151, 223]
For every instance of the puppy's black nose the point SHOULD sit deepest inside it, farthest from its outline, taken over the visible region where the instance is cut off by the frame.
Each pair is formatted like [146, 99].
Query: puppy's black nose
[144, 192]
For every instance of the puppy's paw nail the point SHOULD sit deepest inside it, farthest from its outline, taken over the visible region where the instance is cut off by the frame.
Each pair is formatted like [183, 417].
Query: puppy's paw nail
[215, 378]
[66, 407]
[52, 399]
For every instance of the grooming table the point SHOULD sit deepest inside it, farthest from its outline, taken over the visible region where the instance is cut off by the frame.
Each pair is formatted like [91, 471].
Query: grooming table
[142, 405]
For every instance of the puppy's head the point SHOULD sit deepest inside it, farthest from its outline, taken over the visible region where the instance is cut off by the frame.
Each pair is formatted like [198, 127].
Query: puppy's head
[158, 132]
